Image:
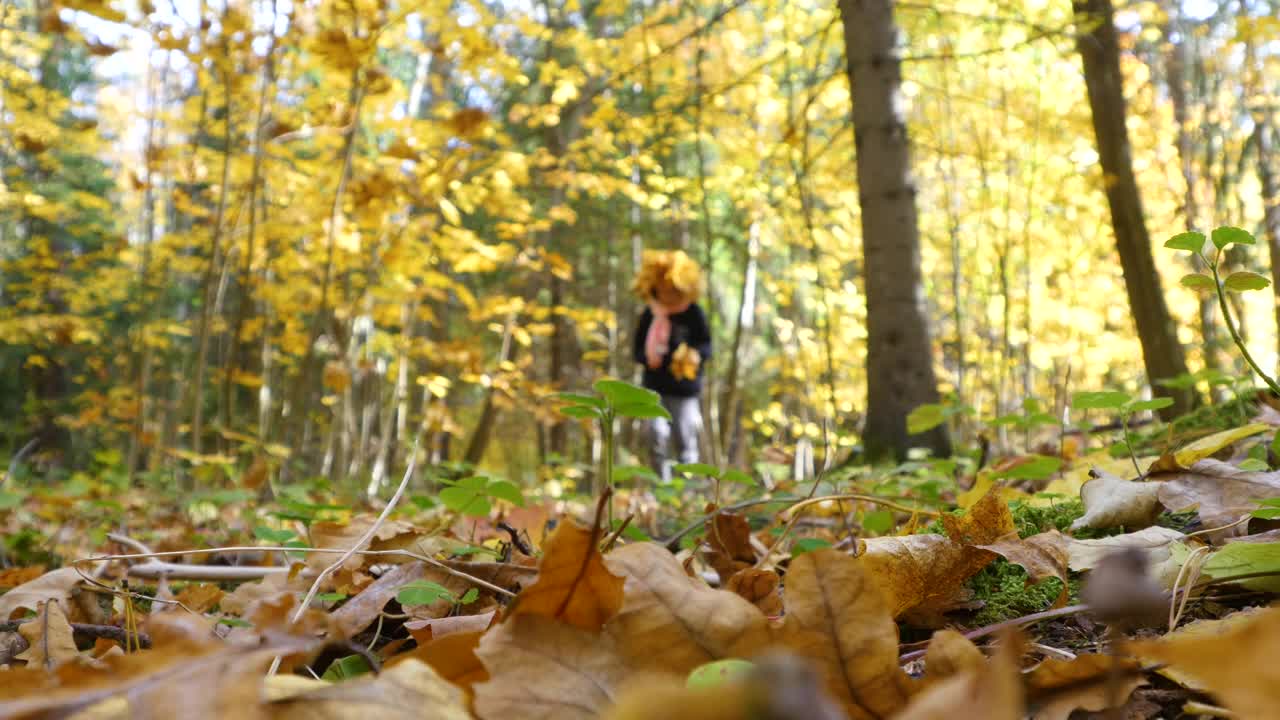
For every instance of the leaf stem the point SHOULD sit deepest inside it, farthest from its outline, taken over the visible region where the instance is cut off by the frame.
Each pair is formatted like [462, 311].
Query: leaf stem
[1231, 326]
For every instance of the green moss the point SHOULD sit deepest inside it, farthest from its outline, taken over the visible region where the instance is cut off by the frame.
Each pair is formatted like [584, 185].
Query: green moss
[1002, 588]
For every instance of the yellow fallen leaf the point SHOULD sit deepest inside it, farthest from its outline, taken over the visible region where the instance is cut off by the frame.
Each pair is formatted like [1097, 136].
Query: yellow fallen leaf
[990, 691]
[49, 637]
[573, 584]
[1057, 688]
[403, 692]
[1188, 455]
[951, 653]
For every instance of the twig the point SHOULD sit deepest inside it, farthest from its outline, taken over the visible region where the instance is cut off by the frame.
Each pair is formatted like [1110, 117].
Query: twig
[516, 542]
[1015, 622]
[17, 458]
[613, 538]
[110, 632]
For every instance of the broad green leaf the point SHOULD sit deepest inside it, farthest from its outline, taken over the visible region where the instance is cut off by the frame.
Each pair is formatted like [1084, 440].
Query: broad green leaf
[1253, 465]
[1038, 469]
[9, 500]
[1227, 235]
[878, 521]
[1192, 241]
[580, 411]
[467, 501]
[274, 536]
[625, 473]
[346, 668]
[1244, 280]
[503, 490]
[1105, 400]
[469, 597]
[717, 673]
[1152, 404]
[331, 597]
[641, 411]
[804, 545]
[581, 399]
[624, 393]
[1275, 445]
[734, 475]
[422, 592]
[925, 418]
[1197, 281]
[698, 469]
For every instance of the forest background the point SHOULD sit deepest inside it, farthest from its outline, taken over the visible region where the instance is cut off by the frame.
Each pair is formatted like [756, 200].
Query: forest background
[276, 237]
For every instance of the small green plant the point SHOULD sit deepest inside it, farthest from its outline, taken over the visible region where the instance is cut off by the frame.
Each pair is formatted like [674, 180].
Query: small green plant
[425, 592]
[614, 399]
[1239, 281]
[474, 496]
[720, 475]
[1125, 406]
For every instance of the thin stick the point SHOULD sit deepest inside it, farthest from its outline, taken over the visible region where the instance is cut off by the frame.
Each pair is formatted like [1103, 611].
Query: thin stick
[1015, 622]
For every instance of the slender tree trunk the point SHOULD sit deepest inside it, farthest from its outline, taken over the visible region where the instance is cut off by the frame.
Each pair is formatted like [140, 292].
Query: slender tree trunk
[1100, 52]
[900, 374]
[731, 412]
[489, 412]
[1270, 207]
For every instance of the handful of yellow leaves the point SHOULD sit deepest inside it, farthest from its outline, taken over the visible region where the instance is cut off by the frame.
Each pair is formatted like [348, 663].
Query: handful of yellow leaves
[684, 363]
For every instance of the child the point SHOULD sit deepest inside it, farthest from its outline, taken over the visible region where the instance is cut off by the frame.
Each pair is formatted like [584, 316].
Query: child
[672, 340]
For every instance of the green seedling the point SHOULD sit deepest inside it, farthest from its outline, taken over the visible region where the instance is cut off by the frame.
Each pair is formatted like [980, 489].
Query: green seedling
[1125, 406]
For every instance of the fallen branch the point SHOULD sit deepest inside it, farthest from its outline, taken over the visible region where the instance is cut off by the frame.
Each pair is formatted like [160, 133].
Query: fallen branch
[110, 632]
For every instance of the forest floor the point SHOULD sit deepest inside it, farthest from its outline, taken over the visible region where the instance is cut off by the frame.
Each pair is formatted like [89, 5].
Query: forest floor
[1105, 574]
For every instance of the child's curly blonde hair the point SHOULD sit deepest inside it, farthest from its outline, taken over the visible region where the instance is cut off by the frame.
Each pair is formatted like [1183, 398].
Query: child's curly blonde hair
[673, 266]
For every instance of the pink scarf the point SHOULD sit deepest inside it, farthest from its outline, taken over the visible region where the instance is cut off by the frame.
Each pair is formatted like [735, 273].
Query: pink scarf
[656, 341]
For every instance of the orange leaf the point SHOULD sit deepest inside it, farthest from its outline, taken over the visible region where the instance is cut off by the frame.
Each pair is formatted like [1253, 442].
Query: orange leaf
[573, 584]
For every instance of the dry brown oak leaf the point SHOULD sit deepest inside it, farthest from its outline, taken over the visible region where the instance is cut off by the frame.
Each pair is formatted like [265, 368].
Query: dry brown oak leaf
[729, 536]
[409, 691]
[574, 586]
[57, 584]
[1237, 665]
[1057, 688]
[453, 657]
[1222, 493]
[926, 573]
[837, 618]
[671, 622]
[541, 669]
[991, 691]
[758, 587]
[1043, 556]
[49, 637]
[950, 653]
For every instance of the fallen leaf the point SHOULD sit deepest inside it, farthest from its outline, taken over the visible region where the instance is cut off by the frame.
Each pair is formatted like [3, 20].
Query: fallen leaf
[951, 653]
[1043, 556]
[671, 622]
[362, 610]
[15, 576]
[201, 598]
[49, 637]
[1241, 558]
[758, 587]
[920, 572]
[408, 691]
[390, 535]
[1222, 493]
[837, 617]
[987, 521]
[542, 669]
[1215, 653]
[729, 536]
[573, 585]
[1110, 501]
[1057, 688]
[991, 691]
[425, 631]
[1188, 455]
[1155, 540]
[55, 585]
[453, 657]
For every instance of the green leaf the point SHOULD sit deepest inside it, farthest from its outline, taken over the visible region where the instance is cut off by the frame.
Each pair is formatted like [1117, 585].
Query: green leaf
[580, 411]
[631, 532]
[1227, 235]
[466, 501]
[1266, 513]
[624, 473]
[878, 521]
[469, 597]
[1253, 465]
[1244, 280]
[1105, 400]
[422, 592]
[331, 597]
[718, 673]
[581, 399]
[1038, 469]
[503, 490]
[698, 469]
[1197, 281]
[1275, 445]
[734, 475]
[9, 500]
[233, 622]
[274, 536]
[804, 545]
[1152, 404]
[641, 411]
[1192, 241]
[618, 393]
[345, 668]
[925, 418]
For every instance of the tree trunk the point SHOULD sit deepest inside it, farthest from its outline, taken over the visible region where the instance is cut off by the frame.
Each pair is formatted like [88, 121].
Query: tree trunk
[900, 373]
[1270, 206]
[1100, 52]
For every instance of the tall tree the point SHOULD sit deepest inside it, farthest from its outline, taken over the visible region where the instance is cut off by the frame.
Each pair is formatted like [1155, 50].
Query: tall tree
[900, 373]
[1099, 49]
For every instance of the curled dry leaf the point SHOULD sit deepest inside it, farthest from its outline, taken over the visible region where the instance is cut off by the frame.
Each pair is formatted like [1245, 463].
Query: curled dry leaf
[408, 691]
[391, 535]
[1057, 688]
[1155, 540]
[425, 631]
[362, 610]
[1110, 501]
[56, 585]
[729, 536]
[49, 637]
[1188, 455]
[671, 622]
[758, 587]
[453, 657]
[573, 585]
[836, 617]
[1222, 493]
[951, 653]
[987, 521]
[991, 691]
[1213, 653]
[1042, 556]
[920, 572]
[541, 669]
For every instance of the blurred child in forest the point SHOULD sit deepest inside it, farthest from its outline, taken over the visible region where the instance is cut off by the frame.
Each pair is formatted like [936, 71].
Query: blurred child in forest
[672, 341]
